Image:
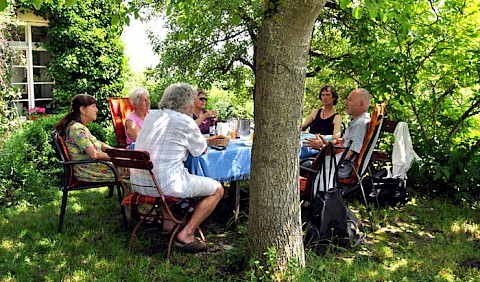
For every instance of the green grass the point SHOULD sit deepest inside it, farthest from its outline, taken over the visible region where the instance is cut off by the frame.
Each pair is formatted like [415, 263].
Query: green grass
[423, 240]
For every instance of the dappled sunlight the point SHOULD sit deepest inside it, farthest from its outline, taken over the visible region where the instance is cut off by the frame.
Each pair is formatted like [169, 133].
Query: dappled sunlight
[348, 260]
[413, 202]
[7, 244]
[30, 243]
[463, 226]
[413, 241]
[396, 265]
[446, 274]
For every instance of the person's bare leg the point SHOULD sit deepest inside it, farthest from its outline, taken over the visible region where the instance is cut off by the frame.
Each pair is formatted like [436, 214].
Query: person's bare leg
[168, 222]
[202, 210]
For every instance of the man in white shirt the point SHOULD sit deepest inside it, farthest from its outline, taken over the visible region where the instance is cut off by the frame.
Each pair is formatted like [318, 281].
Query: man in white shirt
[170, 135]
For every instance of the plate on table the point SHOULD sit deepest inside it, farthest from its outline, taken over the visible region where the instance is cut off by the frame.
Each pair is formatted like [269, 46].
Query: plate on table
[248, 143]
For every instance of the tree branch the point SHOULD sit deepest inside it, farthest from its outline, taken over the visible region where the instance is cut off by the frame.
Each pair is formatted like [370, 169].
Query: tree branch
[465, 115]
[326, 58]
[437, 104]
[420, 122]
[215, 42]
[470, 153]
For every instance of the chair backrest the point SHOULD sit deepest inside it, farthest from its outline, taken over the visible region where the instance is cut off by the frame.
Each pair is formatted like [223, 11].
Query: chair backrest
[60, 146]
[130, 158]
[120, 108]
[375, 127]
[388, 127]
[62, 154]
[137, 159]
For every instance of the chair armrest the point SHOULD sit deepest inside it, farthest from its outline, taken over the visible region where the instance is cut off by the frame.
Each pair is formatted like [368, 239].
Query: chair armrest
[306, 159]
[89, 161]
[309, 169]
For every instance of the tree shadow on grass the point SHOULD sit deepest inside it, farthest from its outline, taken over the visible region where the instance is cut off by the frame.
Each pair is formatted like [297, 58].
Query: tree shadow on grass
[94, 243]
[421, 240]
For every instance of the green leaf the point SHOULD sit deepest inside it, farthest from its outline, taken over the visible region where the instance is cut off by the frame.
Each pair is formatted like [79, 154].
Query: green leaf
[69, 3]
[114, 19]
[384, 17]
[372, 9]
[236, 19]
[357, 12]
[345, 3]
[3, 5]
[182, 36]
[37, 4]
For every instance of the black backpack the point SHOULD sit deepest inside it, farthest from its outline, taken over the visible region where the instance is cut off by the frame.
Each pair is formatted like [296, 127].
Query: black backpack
[329, 219]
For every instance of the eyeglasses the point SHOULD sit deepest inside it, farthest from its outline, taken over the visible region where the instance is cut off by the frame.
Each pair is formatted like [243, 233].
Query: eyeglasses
[203, 99]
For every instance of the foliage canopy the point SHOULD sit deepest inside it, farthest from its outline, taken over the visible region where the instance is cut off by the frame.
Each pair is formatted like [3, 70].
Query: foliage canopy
[419, 56]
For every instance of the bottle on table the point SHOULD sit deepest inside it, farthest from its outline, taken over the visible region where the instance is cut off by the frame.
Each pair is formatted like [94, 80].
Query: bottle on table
[213, 126]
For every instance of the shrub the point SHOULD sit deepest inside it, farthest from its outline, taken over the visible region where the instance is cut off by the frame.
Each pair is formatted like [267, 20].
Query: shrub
[28, 163]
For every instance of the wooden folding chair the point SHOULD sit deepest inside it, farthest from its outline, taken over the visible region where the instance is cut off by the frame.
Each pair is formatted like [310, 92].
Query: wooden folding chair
[71, 183]
[388, 127]
[177, 209]
[120, 108]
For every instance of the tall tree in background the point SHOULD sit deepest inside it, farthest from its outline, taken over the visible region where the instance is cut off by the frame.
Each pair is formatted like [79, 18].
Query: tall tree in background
[206, 47]
[216, 46]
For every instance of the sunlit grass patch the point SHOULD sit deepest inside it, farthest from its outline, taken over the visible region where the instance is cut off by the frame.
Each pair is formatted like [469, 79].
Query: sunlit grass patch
[468, 228]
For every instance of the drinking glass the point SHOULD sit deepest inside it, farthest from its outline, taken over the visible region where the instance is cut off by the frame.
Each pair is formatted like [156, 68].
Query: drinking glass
[232, 125]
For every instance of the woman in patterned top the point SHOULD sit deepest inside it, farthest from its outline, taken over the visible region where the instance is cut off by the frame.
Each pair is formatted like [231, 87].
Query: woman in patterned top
[81, 144]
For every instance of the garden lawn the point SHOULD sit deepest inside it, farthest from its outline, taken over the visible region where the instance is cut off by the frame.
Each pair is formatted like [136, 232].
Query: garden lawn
[423, 240]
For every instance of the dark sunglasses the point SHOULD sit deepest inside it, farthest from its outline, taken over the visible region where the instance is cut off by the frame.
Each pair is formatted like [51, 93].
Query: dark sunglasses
[203, 99]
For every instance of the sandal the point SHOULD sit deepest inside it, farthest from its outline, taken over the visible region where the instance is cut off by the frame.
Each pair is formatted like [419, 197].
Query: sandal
[193, 247]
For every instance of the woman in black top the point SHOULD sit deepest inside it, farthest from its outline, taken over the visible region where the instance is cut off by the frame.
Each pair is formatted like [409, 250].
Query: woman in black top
[325, 121]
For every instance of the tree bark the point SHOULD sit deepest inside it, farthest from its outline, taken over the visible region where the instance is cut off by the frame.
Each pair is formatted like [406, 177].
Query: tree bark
[283, 46]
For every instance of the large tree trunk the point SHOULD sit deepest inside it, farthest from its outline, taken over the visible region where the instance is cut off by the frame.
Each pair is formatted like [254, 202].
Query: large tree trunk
[283, 46]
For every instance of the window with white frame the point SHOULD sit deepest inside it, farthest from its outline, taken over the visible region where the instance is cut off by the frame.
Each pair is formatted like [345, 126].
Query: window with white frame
[29, 70]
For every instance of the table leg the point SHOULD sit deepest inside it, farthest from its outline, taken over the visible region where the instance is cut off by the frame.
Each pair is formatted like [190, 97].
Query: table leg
[236, 185]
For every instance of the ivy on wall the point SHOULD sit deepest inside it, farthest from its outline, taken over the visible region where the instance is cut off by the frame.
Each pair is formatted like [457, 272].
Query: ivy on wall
[86, 52]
